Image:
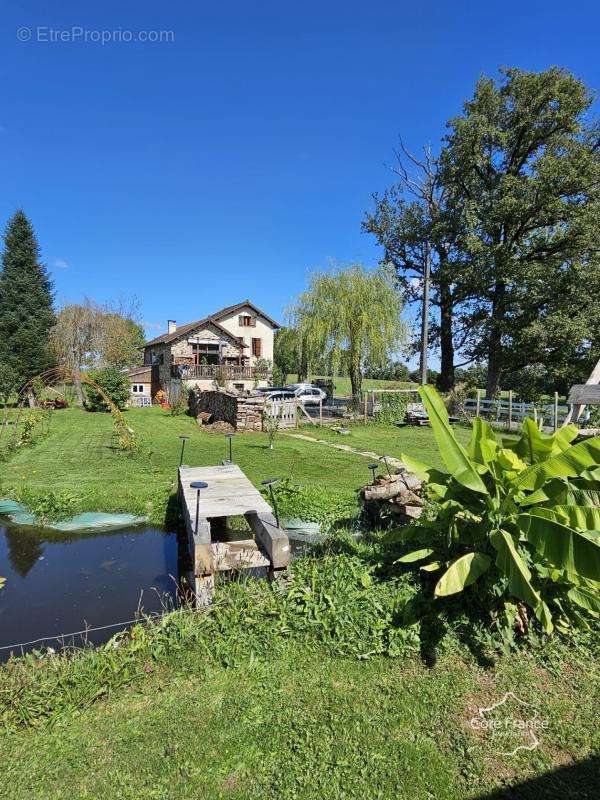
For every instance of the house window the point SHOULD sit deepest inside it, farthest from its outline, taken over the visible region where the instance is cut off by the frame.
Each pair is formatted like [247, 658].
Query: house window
[257, 347]
[157, 358]
[246, 321]
[137, 388]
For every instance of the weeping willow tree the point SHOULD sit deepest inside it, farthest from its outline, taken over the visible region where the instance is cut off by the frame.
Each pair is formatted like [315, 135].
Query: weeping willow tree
[355, 310]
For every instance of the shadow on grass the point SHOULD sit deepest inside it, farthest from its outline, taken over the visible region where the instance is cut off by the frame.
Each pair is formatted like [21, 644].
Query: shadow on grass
[580, 781]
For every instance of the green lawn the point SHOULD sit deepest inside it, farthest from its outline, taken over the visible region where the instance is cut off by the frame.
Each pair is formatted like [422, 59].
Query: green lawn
[388, 440]
[307, 690]
[78, 456]
[305, 724]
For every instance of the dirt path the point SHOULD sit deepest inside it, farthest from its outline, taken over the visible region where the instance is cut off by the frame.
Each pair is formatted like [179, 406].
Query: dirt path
[395, 462]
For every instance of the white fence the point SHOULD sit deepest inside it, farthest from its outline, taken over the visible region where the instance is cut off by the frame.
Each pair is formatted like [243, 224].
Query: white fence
[283, 410]
[551, 414]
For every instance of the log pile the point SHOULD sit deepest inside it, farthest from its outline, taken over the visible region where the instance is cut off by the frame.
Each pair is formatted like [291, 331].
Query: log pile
[394, 498]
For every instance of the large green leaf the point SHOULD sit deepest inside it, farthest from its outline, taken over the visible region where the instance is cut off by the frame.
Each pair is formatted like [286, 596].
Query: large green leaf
[585, 597]
[483, 444]
[510, 563]
[562, 546]
[568, 464]
[536, 446]
[584, 518]
[453, 454]
[415, 555]
[462, 572]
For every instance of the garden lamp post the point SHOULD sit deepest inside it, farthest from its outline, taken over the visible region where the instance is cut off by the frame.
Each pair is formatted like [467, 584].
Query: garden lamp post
[387, 466]
[183, 441]
[373, 468]
[197, 485]
[230, 437]
[270, 483]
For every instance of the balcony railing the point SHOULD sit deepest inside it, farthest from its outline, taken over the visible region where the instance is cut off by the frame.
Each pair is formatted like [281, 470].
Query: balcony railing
[223, 372]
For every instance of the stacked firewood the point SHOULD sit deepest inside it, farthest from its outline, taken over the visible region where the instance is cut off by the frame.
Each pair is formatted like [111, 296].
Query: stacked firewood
[396, 498]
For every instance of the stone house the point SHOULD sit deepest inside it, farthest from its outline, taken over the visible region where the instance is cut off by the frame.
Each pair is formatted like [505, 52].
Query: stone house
[228, 349]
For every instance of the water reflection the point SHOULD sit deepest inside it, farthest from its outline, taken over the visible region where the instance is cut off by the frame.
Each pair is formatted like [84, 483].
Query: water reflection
[58, 582]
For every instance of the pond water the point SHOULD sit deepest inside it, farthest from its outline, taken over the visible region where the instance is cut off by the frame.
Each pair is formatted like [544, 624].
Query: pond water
[58, 583]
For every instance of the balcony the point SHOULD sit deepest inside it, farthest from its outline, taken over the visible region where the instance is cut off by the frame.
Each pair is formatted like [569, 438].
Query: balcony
[218, 372]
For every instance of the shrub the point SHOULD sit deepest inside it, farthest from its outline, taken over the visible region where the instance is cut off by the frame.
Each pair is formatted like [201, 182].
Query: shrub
[517, 521]
[113, 383]
[393, 408]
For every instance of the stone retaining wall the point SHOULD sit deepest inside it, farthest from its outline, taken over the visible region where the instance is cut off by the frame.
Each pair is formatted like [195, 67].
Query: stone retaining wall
[243, 413]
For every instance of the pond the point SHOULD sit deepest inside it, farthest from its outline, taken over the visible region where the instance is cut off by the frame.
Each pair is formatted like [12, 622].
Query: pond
[59, 583]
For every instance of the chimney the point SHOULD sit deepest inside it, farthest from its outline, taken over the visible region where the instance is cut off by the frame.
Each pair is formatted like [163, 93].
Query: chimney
[171, 325]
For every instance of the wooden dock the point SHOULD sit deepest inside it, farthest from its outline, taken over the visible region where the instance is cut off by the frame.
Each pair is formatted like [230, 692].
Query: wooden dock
[229, 494]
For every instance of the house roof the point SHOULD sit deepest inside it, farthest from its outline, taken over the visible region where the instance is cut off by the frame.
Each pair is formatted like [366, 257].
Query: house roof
[182, 330]
[224, 312]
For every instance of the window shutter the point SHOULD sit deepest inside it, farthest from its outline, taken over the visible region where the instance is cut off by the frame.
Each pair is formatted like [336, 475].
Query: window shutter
[253, 322]
[241, 321]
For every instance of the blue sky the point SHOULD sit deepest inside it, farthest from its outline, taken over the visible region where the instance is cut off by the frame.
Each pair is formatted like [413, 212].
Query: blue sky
[232, 161]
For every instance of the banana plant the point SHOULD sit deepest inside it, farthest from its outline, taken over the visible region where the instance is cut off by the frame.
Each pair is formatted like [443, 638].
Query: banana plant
[523, 517]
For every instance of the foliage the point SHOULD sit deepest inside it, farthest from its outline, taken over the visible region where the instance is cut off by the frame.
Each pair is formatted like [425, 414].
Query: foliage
[48, 505]
[315, 504]
[455, 400]
[517, 519]
[505, 217]
[90, 335]
[286, 354]
[393, 371]
[353, 309]
[523, 170]
[26, 304]
[9, 382]
[271, 420]
[181, 404]
[393, 408]
[113, 384]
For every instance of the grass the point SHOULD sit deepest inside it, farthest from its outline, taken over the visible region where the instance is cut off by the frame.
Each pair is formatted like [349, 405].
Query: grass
[289, 695]
[319, 687]
[388, 440]
[78, 457]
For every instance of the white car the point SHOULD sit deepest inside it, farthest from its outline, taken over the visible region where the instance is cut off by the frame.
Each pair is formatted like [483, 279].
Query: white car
[309, 395]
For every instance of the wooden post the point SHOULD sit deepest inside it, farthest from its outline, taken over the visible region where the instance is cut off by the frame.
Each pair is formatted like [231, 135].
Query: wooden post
[478, 402]
[510, 408]
[555, 411]
[296, 415]
[366, 408]
[321, 412]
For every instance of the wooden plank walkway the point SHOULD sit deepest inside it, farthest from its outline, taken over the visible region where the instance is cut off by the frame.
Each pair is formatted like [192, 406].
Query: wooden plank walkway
[229, 493]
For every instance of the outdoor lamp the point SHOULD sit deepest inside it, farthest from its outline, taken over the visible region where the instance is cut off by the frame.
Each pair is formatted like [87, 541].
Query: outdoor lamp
[230, 437]
[183, 441]
[270, 482]
[387, 466]
[198, 485]
[373, 468]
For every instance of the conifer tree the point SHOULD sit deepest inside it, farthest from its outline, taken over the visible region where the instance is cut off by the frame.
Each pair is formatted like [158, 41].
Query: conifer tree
[26, 303]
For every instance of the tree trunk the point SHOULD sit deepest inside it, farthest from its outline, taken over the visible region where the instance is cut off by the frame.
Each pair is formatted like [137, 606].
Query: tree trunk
[78, 387]
[355, 380]
[446, 343]
[495, 355]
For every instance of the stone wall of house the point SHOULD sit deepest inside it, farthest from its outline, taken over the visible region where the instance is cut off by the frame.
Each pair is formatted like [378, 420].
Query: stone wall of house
[243, 413]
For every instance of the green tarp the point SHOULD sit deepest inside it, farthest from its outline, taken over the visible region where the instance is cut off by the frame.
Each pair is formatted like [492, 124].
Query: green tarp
[20, 515]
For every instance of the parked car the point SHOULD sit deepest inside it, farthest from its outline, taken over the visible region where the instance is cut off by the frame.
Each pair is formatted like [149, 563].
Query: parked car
[279, 394]
[309, 395]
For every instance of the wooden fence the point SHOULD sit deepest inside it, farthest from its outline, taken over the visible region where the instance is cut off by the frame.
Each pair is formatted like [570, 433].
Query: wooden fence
[551, 414]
